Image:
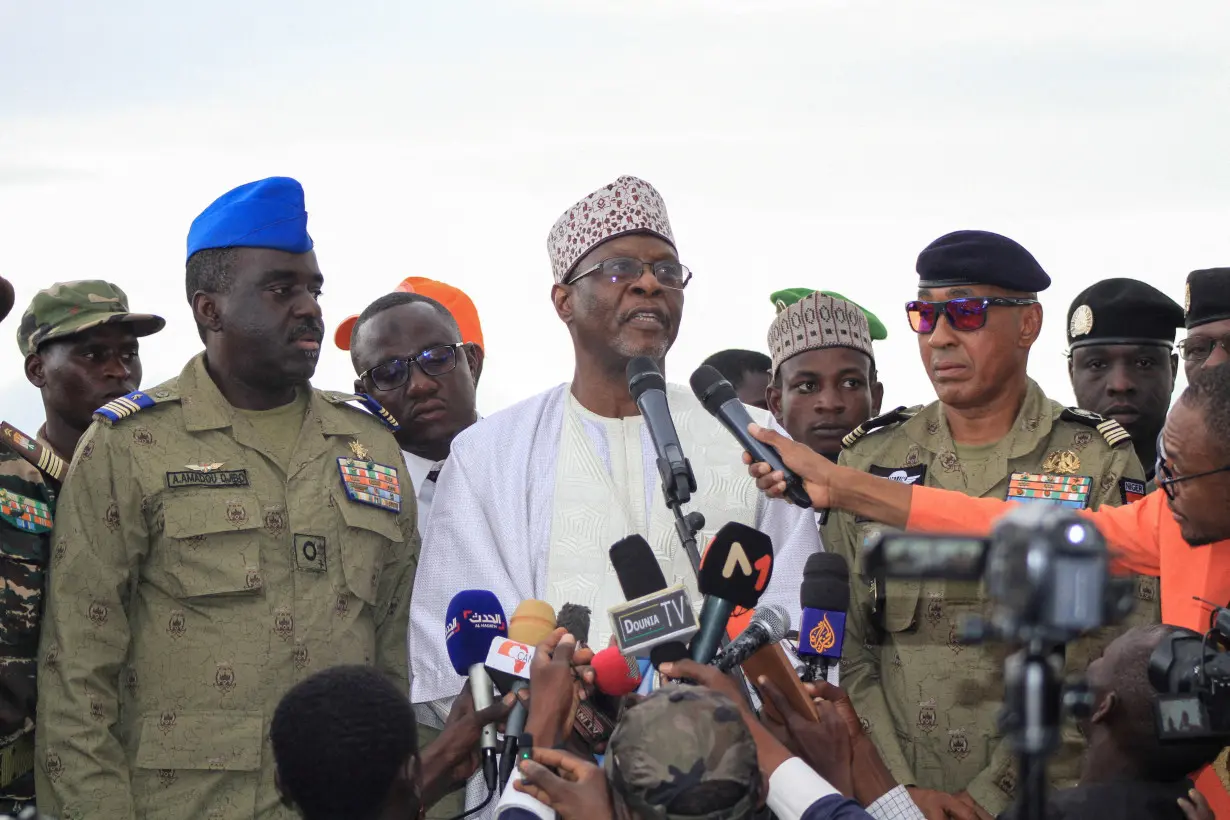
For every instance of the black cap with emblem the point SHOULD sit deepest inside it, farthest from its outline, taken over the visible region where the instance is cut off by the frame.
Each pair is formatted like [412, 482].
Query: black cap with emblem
[1208, 296]
[980, 258]
[1123, 311]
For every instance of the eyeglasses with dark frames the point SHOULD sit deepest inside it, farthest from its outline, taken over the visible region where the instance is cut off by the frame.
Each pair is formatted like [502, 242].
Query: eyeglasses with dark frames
[965, 314]
[1199, 348]
[1166, 478]
[624, 270]
[434, 361]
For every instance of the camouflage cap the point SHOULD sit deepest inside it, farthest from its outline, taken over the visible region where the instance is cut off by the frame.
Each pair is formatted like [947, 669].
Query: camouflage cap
[675, 740]
[68, 308]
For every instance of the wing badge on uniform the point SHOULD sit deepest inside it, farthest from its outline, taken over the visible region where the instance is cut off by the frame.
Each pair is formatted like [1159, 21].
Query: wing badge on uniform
[205, 468]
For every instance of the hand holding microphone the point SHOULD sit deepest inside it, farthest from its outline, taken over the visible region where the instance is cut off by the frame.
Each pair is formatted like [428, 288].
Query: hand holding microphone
[473, 619]
[554, 690]
[797, 465]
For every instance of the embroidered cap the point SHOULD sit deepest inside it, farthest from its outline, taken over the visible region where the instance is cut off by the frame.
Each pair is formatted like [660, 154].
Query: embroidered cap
[68, 308]
[818, 321]
[627, 205]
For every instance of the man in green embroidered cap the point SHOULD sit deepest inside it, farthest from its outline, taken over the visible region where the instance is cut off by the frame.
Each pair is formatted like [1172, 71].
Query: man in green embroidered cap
[823, 372]
[80, 344]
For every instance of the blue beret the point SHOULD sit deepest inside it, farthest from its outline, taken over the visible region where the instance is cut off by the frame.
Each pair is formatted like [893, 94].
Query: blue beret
[980, 258]
[268, 213]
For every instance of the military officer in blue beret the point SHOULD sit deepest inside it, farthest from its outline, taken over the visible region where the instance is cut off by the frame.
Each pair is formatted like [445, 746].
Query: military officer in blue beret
[932, 703]
[221, 536]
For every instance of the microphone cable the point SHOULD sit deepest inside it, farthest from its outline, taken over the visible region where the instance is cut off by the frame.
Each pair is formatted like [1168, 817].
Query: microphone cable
[478, 808]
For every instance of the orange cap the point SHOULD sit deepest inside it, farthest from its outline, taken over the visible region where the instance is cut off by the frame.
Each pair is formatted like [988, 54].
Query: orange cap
[456, 300]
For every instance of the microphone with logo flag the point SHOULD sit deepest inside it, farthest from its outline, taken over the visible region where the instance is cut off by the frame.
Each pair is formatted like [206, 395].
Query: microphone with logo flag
[532, 622]
[734, 572]
[656, 619]
[825, 598]
[760, 655]
[473, 619]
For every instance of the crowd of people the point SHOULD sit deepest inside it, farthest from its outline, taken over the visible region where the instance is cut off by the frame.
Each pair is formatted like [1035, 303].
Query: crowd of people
[225, 595]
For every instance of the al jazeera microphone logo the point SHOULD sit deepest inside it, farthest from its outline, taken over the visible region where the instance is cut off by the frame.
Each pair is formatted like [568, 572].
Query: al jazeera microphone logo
[822, 636]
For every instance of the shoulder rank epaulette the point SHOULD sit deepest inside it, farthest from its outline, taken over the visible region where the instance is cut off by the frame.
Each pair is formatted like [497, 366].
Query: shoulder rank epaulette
[368, 403]
[125, 406]
[35, 452]
[891, 417]
[1110, 429]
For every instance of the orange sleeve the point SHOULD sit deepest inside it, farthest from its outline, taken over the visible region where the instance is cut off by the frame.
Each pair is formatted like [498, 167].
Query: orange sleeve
[1132, 531]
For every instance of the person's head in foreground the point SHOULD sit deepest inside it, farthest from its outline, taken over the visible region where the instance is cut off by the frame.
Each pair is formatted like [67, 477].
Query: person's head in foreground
[747, 371]
[345, 746]
[824, 380]
[1193, 458]
[683, 752]
[618, 280]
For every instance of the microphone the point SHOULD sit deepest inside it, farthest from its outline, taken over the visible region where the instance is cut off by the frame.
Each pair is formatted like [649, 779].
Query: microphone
[719, 398]
[825, 598]
[508, 664]
[615, 674]
[648, 389]
[770, 661]
[473, 618]
[531, 623]
[575, 618]
[734, 572]
[769, 626]
[655, 618]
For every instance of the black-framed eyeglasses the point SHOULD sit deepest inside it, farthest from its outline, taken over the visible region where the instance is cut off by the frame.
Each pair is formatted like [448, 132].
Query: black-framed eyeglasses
[434, 361]
[1199, 348]
[965, 314]
[624, 270]
[1166, 479]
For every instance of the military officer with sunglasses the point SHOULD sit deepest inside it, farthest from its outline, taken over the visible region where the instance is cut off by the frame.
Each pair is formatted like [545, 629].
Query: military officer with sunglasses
[931, 702]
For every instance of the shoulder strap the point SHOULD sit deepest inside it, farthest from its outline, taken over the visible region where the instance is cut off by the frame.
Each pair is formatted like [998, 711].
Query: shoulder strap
[369, 404]
[1110, 429]
[33, 451]
[891, 417]
[125, 406]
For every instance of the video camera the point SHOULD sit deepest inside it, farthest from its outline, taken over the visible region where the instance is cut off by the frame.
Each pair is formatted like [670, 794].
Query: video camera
[1191, 674]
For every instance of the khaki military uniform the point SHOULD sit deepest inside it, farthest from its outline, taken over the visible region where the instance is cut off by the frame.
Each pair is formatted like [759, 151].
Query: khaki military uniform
[193, 582]
[930, 702]
[27, 511]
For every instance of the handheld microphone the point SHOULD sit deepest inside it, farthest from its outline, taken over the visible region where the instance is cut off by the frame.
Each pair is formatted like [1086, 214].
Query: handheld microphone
[575, 618]
[734, 572]
[473, 618]
[531, 623]
[656, 619]
[508, 664]
[615, 674]
[648, 389]
[769, 626]
[719, 398]
[825, 598]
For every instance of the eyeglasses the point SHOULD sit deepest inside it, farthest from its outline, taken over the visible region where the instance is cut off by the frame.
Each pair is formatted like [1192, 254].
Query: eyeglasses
[1168, 479]
[963, 314]
[624, 270]
[1199, 348]
[434, 361]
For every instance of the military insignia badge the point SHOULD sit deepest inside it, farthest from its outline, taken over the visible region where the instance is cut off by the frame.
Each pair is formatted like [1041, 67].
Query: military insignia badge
[927, 718]
[360, 452]
[1131, 490]
[1082, 321]
[1064, 462]
[204, 468]
[25, 513]
[19, 439]
[370, 483]
[958, 744]
[1066, 491]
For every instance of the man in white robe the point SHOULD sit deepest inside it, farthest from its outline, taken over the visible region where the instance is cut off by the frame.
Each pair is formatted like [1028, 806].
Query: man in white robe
[539, 492]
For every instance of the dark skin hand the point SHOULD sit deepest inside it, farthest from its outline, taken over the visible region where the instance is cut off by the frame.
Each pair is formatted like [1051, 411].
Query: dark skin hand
[577, 789]
[454, 756]
[556, 687]
[823, 744]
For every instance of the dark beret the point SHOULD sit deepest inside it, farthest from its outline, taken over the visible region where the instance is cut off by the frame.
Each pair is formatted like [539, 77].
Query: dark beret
[980, 258]
[1208, 296]
[1122, 311]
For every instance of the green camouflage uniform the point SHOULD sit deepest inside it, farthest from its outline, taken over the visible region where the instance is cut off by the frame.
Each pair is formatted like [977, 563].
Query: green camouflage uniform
[930, 703]
[193, 582]
[31, 474]
[677, 738]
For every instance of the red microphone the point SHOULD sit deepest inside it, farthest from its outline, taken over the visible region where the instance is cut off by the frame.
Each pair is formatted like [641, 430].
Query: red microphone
[614, 673]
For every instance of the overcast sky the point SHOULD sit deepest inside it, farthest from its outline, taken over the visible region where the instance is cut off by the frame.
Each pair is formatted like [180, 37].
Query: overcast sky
[818, 144]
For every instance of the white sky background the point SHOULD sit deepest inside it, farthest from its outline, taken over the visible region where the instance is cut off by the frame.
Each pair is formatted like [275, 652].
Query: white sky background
[817, 144]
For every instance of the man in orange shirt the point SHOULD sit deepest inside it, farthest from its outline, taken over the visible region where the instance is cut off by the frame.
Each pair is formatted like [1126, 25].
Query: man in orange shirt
[1180, 531]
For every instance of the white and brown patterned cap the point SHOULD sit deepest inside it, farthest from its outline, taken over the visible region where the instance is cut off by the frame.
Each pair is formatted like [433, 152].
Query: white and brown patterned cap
[627, 205]
[818, 321]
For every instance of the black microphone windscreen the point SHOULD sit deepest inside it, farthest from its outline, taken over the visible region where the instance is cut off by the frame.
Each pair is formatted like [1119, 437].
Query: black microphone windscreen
[711, 387]
[643, 374]
[737, 565]
[667, 653]
[826, 583]
[636, 567]
[574, 618]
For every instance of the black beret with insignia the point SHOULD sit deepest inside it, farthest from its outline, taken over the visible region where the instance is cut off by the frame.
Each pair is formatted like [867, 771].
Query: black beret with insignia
[1123, 311]
[980, 258]
[1208, 296]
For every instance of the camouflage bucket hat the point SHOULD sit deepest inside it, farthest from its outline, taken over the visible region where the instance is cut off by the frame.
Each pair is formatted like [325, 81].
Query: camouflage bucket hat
[68, 308]
[678, 738]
